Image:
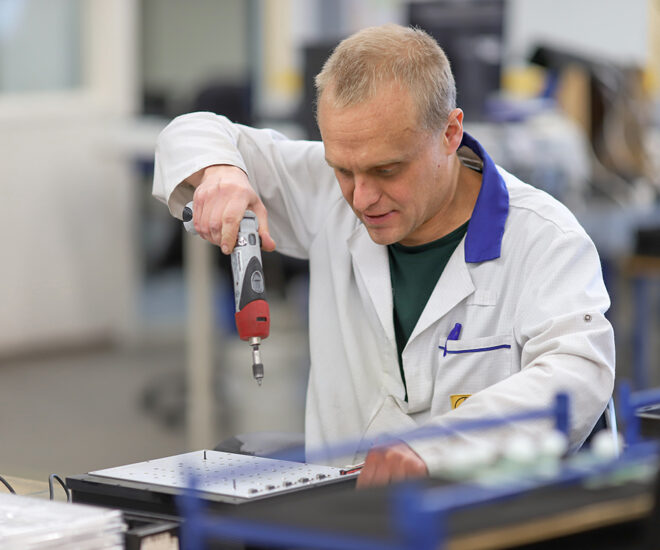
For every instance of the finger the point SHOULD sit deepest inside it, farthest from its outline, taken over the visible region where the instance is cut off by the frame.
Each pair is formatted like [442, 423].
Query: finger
[231, 220]
[374, 472]
[364, 479]
[392, 465]
[381, 475]
[407, 464]
[215, 222]
[199, 222]
[405, 469]
[267, 242]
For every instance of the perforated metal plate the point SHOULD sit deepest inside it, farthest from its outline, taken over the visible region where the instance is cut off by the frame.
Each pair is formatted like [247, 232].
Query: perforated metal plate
[239, 477]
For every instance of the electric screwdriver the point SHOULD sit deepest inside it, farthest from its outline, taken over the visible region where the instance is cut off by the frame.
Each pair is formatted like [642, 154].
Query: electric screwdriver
[252, 311]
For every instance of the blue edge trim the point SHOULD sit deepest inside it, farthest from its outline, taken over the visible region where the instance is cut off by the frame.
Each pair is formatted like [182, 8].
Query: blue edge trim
[420, 515]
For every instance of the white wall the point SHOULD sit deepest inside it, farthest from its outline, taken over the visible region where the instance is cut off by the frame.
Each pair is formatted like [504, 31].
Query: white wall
[613, 30]
[55, 23]
[67, 245]
[186, 42]
[66, 275]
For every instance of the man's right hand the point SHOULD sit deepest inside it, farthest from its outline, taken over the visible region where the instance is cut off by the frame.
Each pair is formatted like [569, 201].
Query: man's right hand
[222, 195]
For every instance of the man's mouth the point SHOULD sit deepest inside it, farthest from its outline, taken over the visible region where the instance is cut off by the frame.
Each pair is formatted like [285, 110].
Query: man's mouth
[376, 219]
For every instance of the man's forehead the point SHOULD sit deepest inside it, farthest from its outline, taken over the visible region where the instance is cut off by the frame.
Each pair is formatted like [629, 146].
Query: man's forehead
[388, 99]
[372, 163]
[382, 130]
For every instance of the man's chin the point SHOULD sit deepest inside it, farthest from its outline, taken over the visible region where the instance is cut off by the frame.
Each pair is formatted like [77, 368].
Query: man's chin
[382, 237]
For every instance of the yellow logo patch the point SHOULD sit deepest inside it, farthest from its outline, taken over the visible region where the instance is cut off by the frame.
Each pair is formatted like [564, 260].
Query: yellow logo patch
[457, 400]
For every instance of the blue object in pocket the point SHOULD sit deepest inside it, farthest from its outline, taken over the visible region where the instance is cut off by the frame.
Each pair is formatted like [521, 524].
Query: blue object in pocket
[455, 333]
[491, 348]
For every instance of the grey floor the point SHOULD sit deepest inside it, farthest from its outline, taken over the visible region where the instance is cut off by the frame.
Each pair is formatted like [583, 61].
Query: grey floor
[85, 410]
[81, 411]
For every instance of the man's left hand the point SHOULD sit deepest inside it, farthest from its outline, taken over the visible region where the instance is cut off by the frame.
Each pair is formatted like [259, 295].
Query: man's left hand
[391, 463]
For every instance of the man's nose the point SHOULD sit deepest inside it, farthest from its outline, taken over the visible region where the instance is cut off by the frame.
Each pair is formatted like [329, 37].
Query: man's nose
[365, 194]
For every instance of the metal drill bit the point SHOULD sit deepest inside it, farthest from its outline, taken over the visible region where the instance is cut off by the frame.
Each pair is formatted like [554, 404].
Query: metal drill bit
[258, 373]
[257, 365]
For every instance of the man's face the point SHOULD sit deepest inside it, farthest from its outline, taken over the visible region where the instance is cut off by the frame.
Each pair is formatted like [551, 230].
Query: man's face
[395, 175]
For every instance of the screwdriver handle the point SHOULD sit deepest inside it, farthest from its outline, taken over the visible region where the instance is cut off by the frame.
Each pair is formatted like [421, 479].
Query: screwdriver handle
[252, 311]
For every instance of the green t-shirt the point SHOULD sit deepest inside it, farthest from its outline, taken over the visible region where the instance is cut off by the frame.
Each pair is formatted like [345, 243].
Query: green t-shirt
[414, 271]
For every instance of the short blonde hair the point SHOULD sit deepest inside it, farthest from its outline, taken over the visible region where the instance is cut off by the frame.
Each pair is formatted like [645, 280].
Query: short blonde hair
[376, 55]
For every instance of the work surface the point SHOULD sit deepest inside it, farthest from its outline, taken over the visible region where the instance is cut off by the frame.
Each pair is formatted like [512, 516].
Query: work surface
[35, 489]
[612, 514]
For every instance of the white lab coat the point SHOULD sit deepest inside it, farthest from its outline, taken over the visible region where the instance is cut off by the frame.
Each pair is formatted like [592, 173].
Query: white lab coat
[530, 298]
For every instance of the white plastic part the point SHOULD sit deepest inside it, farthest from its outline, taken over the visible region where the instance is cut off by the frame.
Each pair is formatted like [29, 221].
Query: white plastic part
[604, 445]
[553, 444]
[467, 461]
[520, 449]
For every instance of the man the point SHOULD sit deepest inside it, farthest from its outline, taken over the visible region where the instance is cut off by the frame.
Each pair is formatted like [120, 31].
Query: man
[436, 278]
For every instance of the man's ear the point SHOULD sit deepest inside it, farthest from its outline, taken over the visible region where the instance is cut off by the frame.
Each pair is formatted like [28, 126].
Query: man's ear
[453, 131]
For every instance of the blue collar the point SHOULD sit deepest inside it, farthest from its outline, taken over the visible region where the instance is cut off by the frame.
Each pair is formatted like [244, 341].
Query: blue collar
[483, 241]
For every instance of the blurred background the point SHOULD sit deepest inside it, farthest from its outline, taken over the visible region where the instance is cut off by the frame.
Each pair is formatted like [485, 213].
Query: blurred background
[117, 341]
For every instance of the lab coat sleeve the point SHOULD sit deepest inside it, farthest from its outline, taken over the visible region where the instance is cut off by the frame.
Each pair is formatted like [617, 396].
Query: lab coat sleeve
[291, 177]
[566, 343]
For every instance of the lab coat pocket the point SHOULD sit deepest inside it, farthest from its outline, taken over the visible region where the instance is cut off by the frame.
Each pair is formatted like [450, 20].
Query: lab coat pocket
[470, 365]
